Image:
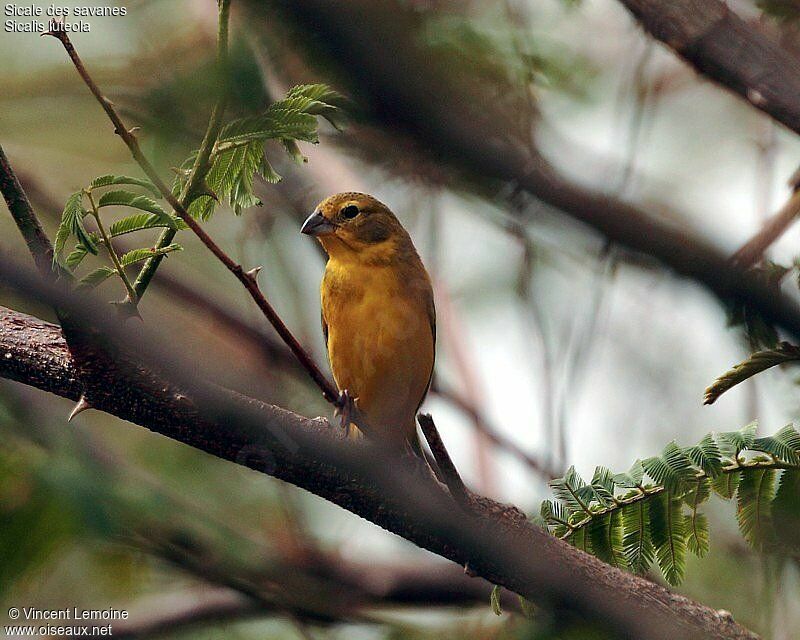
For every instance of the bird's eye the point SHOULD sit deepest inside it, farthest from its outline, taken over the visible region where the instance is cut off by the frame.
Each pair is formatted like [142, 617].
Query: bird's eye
[350, 212]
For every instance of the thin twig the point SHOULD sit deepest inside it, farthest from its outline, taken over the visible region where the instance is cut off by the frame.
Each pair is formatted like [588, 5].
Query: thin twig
[247, 278]
[449, 472]
[112, 253]
[194, 186]
[753, 250]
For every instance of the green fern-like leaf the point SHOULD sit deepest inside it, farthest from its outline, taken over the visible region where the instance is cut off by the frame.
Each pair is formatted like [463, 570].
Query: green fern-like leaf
[707, 456]
[554, 515]
[108, 180]
[139, 255]
[669, 536]
[580, 539]
[603, 486]
[633, 478]
[571, 490]
[135, 201]
[606, 534]
[672, 469]
[96, 277]
[323, 101]
[140, 222]
[784, 445]
[732, 443]
[239, 152]
[636, 541]
[696, 524]
[754, 508]
[725, 485]
[72, 224]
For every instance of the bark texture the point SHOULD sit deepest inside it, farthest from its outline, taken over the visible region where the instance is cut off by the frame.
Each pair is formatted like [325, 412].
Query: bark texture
[496, 541]
[724, 48]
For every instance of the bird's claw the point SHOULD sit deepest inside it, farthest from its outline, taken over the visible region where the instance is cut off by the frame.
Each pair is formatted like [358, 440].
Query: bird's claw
[346, 409]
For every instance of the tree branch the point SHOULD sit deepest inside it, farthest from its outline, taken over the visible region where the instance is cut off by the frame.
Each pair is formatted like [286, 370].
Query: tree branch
[26, 220]
[247, 278]
[445, 128]
[202, 163]
[753, 250]
[495, 540]
[724, 48]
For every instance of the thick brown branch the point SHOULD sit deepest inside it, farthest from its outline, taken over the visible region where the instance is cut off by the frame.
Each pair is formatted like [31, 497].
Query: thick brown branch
[495, 540]
[723, 47]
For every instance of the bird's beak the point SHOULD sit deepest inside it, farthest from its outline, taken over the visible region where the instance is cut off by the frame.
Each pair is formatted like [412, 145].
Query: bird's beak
[317, 225]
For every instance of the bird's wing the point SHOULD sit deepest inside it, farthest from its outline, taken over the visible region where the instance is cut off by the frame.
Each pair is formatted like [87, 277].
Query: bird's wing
[324, 328]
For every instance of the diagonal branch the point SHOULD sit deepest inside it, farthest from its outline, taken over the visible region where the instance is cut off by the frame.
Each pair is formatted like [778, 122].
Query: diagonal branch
[495, 540]
[446, 127]
[202, 163]
[753, 250]
[247, 278]
[724, 48]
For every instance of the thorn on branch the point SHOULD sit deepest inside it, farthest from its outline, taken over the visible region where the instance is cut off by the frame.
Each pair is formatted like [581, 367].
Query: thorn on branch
[253, 273]
[80, 407]
[127, 309]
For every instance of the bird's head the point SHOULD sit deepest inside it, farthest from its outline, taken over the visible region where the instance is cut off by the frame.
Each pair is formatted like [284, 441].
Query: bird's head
[356, 226]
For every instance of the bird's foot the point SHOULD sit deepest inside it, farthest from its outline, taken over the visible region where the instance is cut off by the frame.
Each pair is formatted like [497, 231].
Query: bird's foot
[346, 409]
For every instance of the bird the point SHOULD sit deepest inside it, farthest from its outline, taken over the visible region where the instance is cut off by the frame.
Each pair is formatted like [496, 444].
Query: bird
[378, 316]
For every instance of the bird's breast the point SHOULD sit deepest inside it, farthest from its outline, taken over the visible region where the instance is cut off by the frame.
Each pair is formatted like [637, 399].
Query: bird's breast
[380, 340]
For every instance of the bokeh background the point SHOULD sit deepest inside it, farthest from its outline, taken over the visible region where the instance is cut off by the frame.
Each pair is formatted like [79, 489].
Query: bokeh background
[574, 352]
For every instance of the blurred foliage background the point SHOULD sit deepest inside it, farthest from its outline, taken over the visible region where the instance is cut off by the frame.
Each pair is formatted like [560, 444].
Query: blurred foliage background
[568, 348]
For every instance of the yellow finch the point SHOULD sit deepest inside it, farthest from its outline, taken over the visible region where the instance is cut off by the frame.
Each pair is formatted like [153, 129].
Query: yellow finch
[378, 316]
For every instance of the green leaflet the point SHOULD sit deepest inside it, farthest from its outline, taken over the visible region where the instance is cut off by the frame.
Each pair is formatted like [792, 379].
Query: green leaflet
[707, 456]
[732, 443]
[754, 508]
[603, 485]
[783, 445]
[276, 122]
[130, 199]
[668, 535]
[239, 152]
[580, 540]
[605, 533]
[636, 542]
[725, 485]
[625, 515]
[571, 490]
[72, 224]
[108, 180]
[138, 255]
[631, 479]
[671, 469]
[696, 524]
[141, 221]
[96, 277]
[698, 539]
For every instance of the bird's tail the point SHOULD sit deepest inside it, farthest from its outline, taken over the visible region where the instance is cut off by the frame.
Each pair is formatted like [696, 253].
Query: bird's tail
[353, 432]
